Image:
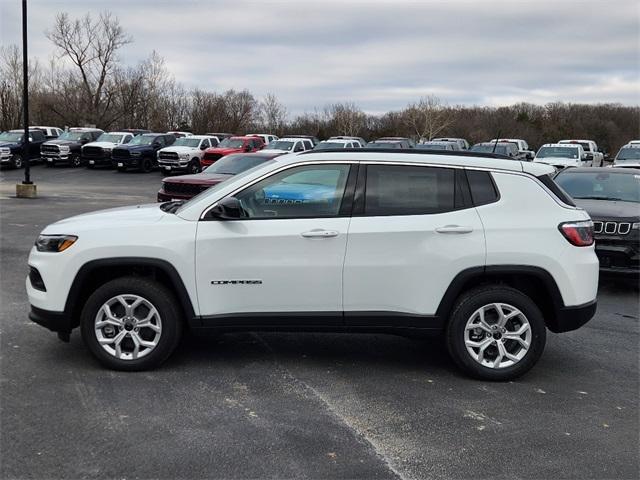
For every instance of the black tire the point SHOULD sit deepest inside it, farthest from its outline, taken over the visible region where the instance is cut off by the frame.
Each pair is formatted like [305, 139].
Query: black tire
[17, 161]
[194, 166]
[146, 165]
[90, 166]
[121, 169]
[75, 161]
[464, 308]
[159, 296]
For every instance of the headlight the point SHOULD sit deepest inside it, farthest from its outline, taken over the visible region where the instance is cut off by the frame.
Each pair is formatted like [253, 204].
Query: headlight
[107, 149]
[55, 243]
[635, 226]
[64, 148]
[184, 156]
[135, 154]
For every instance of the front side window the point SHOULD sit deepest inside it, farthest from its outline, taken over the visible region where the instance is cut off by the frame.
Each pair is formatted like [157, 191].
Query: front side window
[301, 192]
[408, 190]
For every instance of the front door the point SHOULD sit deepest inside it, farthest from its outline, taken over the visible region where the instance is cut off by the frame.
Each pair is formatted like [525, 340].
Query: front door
[282, 261]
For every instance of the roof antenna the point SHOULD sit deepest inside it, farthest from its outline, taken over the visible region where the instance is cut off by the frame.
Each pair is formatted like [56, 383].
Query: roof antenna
[495, 144]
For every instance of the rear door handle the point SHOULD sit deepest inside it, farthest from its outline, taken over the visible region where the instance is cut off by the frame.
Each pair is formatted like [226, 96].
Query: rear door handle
[454, 229]
[320, 233]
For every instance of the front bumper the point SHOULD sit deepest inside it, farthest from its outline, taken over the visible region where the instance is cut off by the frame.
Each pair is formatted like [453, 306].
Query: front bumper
[97, 161]
[133, 162]
[619, 258]
[168, 197]
[180, 166]
[572, 318]
[53, 158]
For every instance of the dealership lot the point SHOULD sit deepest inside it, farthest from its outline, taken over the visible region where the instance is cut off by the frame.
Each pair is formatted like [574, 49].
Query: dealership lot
[299, 405]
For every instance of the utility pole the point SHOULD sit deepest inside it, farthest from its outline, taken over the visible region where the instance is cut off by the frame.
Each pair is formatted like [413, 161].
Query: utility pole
[27, 188]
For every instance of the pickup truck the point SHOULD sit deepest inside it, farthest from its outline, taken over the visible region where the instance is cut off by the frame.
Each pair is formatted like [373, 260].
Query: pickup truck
[98, 153]
[231, 145]
[185, 154]
[141, 152]
[12, 147]
[563, 155]
[525, 152]
[591, 151]
[67, 147]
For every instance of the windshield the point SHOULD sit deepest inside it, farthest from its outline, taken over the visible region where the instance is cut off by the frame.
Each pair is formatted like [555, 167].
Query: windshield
[187, 142]
[557, 152]
[73, 136]
[11, 137]
[110, 137]
[585, 146]
[383, 145]
[601, 186]
[628, 153]
[279, 145]
[142, 140]
[234, 164]
[499, 149]
[327, 145]
[231, 143]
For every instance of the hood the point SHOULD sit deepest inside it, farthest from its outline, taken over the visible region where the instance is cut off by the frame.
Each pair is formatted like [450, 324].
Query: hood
[224, 150]
[135, 148]
[607, 209]
[278, 151]
[179, 149]
[102, 144]
[10, 144]
[198, 178]
[61, 142]
[107, 219]
[624, 164]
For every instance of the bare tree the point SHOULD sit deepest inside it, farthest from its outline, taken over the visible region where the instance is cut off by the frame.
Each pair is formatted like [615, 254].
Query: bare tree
[273, 114]
[427, 118]
[92, 46]
[347, 118]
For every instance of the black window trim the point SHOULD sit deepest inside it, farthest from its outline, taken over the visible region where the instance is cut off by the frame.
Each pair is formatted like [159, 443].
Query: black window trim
[493, 181]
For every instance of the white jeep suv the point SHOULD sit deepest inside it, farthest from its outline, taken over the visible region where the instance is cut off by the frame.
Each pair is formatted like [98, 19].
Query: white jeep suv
[355, 241]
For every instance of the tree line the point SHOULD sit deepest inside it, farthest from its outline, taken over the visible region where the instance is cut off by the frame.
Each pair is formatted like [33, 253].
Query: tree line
[86, 84]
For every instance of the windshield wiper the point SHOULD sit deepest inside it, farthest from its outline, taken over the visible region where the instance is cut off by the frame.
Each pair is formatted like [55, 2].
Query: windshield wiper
[171, 207]
[601, 197]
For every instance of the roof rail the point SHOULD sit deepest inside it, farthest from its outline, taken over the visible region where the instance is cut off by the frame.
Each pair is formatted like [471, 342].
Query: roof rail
[413, 151]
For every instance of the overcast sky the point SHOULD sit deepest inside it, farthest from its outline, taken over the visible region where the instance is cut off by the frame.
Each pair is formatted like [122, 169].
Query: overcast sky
[378, 54]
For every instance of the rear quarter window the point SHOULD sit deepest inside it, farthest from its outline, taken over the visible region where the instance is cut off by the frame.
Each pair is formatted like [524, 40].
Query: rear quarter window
[547, 181]
[482, 186]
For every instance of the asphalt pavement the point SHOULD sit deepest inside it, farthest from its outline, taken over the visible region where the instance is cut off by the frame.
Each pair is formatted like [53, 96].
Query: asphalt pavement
[257, 405]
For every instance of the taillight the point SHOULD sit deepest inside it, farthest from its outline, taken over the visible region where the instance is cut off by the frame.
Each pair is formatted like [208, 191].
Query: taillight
[579, 233]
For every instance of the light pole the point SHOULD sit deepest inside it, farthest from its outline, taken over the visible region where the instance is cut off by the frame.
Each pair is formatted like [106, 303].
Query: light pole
[27, 188]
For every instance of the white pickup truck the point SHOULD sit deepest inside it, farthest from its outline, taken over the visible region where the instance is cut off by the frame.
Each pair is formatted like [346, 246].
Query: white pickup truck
[562, 155]
[523, 147]
[185, 154]
[591, 151]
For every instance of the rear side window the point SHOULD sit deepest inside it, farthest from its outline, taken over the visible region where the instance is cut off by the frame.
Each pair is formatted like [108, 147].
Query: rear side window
[563, 196]
[37, 135]
[483, 190]
[407, 190]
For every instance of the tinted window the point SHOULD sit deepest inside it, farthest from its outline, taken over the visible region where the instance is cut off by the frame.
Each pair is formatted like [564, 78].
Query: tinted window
[298, 147]
[606, 185]
[402, 190]
[483, 190]
[37, 135]
[308, 145]
[301, 192]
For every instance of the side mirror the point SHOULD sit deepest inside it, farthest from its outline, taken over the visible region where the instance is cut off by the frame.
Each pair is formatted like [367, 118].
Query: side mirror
[155, 144]
[247, 148]
[228, 208]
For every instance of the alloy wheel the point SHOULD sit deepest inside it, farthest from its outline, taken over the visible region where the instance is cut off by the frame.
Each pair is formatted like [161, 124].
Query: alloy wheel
[128, 327]
[497, 335]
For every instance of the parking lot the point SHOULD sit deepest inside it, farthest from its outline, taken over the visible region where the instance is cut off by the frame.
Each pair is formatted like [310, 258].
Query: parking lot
[298, 405]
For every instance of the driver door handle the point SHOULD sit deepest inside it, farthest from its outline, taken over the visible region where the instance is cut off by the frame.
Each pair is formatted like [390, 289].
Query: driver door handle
[454, 229]
[320, 233]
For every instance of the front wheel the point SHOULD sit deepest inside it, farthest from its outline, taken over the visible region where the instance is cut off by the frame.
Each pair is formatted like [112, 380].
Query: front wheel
[146, 165]
[17, 161]
[131, 323]
[496, 333]
[75, 161]
[194, 166]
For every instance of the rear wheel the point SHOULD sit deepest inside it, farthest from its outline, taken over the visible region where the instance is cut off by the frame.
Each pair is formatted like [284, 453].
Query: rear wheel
[496, 333]
[75, 161]
[131, 323]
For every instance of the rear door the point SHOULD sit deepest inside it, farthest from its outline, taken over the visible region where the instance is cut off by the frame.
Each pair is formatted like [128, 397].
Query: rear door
[413, 230]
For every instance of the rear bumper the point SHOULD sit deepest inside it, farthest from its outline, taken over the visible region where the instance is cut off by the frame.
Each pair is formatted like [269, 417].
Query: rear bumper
[572, 318]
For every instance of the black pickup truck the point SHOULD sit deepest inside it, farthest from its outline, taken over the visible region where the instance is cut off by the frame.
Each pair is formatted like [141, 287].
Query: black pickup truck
[141, 152]
[67, 147]
[12, 152]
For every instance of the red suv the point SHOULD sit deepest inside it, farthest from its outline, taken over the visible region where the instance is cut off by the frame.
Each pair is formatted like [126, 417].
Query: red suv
[231, 145]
